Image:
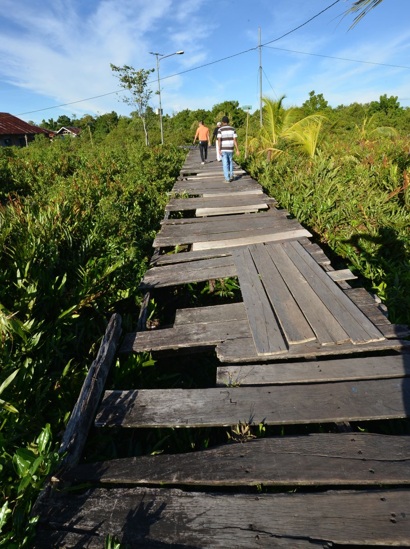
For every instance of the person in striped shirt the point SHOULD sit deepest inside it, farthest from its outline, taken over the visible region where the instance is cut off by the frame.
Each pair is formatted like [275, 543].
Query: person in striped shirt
[227, 141]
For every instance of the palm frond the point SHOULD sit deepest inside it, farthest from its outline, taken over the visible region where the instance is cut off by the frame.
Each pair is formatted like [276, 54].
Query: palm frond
[362, 6]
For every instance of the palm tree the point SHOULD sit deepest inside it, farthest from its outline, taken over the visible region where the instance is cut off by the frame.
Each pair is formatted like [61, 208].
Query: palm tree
[281, 125]
[368, 129]
[362, 6]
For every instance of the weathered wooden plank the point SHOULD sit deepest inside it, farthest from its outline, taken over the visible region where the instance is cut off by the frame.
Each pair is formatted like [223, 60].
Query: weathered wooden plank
[345, 369]
[195, 271]
[229, 210]
[317, 459]
[179, 337]
[354, 322]
[341, 274]
[264, 326]
[214, 313]
[181, 204]
[256, 236]
[155, 517]
[203, 229]
[272, 405]
[326, 327]
[199, 225]
[200, 185]
[316, 252]
[291, 319]
[240, 350]
[186, 256]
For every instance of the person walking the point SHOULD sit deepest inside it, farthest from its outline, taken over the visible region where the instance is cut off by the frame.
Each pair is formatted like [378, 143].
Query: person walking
[202, 134]
[227, 141]
[215, 140]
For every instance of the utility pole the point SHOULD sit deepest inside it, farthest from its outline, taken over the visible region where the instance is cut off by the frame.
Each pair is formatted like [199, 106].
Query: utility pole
[160, 56]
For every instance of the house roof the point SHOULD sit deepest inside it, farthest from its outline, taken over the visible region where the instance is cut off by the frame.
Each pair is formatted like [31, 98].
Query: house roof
[69, 129]
[11, 125]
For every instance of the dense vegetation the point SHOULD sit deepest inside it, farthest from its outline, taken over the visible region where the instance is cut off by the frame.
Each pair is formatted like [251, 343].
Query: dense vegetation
[77, 219]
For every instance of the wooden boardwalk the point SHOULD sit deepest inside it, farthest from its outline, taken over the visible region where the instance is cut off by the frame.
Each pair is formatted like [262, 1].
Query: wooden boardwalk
[301, 355]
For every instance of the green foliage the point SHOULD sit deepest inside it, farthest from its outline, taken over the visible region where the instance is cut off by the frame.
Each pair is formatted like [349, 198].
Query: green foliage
[76, 229]
[283, 128]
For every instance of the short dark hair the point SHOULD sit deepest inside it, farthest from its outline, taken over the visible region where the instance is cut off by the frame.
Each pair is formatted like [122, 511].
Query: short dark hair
[225, 119]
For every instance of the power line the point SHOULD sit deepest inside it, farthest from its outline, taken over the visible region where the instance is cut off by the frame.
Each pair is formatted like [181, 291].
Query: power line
[266, 44]
[340, 58]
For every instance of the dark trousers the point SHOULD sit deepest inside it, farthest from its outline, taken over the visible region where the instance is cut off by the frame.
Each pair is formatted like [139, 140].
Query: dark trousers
[203, 150]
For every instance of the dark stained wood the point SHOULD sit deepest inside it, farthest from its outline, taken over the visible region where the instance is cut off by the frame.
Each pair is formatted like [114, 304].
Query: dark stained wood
[314, 460]
[273, 405]
[241, 350]
[196, 271]
[339, 369]
[155, 517]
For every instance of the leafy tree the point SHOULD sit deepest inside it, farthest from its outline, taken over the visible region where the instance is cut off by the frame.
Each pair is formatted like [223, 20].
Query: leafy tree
[64, 121]
[315, 103]
[136, 82]
[387, 105]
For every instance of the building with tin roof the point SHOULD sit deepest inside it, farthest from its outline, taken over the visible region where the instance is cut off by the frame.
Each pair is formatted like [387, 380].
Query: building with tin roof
[14, 131]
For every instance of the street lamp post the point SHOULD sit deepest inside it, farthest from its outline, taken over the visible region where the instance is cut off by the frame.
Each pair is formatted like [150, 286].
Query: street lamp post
[159, 57]
[246, 108]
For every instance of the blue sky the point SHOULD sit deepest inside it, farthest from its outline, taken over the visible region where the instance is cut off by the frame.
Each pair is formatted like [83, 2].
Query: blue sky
[56, 54]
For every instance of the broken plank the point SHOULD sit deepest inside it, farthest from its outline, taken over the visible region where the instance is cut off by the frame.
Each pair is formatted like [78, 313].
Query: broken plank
[187, 256]
[340, 369]
[212, 212]
[296, 404]
[196, 271]
[159, 517]
[241, 350]
[183, 336]
[341, 274]
[363, 459]
[254, 237]
[181, 204]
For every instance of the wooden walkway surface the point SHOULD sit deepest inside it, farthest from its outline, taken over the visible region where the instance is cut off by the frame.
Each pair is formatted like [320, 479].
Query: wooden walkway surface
[301, 350]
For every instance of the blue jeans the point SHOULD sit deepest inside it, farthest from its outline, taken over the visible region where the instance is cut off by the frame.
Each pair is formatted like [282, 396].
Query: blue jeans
[227, 164]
